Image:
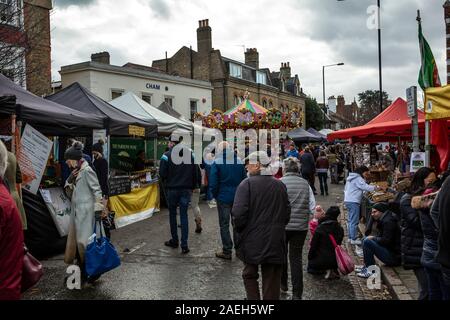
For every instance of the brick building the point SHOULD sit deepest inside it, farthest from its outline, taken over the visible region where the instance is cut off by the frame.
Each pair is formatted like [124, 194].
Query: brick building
[345, 115]
[447, 24]
[231, 79]
[25, 37]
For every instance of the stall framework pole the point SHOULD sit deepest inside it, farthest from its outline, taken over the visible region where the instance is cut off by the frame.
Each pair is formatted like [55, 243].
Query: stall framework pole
[13, 134]
[427, 143]
[155, 149]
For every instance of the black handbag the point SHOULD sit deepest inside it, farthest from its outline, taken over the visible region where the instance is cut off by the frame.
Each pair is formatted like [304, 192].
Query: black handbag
[31, 271]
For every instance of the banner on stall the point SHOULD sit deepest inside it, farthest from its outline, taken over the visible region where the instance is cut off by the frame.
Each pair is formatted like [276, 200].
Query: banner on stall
[33, 156]
[139, 204]
[437, 103]
[59, 207]
[101, 135]
[124, 152]
[417, 161]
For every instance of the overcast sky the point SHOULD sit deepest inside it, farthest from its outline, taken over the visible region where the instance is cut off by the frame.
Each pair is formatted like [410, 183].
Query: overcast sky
[306, 33]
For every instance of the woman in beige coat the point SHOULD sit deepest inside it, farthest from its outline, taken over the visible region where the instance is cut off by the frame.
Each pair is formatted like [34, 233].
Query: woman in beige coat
[85, 193]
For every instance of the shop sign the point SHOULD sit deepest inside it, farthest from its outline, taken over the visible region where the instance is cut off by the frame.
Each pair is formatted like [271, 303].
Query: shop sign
[136, 131]
[153, 86]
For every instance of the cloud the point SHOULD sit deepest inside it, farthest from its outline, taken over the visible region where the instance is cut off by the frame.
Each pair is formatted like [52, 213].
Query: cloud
[306, 33]
[161, 8]
[66, 3]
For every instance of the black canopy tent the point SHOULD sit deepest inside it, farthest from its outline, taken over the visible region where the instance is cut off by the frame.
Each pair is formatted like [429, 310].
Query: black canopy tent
[116, 122]
[165, 107]
[300, 135]
[317, 134]
[46, 116]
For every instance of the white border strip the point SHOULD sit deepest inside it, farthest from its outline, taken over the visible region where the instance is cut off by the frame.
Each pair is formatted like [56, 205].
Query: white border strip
[132, 218]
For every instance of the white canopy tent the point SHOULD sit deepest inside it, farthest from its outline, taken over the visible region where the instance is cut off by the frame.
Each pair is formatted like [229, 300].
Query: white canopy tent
[135, 106]
[326, 132]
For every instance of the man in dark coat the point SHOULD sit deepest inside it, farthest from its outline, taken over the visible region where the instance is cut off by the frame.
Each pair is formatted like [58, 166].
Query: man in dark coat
[443, 255]
[321, 256]
[101, 167]
[386, 245]
[308, 169]
[260, 212]
[180, 176]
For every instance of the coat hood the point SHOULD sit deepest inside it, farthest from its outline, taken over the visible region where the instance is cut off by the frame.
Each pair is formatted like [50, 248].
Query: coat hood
[353, 176]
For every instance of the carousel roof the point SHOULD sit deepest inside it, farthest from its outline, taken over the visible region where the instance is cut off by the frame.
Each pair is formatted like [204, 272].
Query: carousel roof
[248, 105]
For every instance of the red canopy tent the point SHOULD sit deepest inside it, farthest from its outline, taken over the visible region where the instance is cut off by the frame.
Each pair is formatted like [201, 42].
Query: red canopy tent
[390, 125]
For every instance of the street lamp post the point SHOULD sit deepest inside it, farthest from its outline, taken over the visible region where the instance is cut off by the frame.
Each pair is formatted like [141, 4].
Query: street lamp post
[380, 75]
[323, 83]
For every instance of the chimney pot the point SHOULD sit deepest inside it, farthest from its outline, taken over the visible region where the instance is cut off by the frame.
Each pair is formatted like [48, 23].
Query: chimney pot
[101, 57]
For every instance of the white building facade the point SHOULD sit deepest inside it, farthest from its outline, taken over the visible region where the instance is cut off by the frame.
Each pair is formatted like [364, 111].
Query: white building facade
[186, 96]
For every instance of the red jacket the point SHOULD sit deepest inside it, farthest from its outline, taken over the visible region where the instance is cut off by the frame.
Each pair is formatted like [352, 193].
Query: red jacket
[11, 247]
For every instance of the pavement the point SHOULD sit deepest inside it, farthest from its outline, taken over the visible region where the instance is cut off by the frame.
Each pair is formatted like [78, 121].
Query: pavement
[150, 270]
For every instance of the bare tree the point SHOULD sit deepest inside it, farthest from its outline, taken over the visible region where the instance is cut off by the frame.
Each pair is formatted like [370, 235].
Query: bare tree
[18, 38]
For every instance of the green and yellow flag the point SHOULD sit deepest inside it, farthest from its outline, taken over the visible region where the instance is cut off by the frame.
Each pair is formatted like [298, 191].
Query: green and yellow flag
[428, 75]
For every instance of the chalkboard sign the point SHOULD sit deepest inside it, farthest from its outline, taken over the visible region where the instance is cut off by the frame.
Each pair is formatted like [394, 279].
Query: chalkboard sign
[119, 185]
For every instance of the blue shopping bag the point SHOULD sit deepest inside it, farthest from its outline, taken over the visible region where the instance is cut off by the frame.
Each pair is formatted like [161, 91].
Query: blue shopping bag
[100, 255]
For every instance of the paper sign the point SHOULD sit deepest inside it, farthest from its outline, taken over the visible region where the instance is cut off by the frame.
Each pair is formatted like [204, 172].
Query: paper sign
[136, 131]
[59, 207]
[35, 147]
[417, 161]
[101, 135]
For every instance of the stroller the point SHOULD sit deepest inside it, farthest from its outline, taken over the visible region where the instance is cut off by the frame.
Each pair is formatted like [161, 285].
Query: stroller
[337, 172]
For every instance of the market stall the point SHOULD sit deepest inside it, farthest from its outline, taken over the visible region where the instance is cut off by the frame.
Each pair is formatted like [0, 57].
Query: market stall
[28, 126]
[126, 137]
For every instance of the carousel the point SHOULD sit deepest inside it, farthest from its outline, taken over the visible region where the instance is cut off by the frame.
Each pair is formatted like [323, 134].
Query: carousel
[250, 115]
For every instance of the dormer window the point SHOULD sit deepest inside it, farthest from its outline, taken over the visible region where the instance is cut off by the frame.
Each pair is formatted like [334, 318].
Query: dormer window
[261, 77]
[235, 71]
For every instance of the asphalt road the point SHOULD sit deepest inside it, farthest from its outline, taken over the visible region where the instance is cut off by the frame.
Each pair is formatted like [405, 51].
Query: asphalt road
[152, 271]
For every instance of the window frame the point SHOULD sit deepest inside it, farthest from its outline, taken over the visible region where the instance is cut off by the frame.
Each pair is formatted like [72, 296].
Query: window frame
[234, 67]
[150, 95]
[172, 98]
[190, 107]
[260, 74]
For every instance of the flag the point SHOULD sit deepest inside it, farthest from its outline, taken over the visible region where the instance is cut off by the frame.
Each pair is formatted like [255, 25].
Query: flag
[429, 77]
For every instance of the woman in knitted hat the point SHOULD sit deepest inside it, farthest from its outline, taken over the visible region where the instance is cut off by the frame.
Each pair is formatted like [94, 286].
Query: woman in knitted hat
[321, 256]
[83, 189]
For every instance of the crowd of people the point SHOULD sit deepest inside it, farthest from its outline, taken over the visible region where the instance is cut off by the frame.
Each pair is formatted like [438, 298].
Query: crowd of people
[264, 216]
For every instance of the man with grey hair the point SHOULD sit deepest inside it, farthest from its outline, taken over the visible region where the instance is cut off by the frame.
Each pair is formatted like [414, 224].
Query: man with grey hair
[260, 213]
[11, 239]
[303, 203]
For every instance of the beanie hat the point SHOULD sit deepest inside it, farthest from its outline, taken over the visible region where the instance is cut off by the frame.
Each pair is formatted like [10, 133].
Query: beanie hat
[98, 147]
[75, 152]
[381, 206]
[333, 212]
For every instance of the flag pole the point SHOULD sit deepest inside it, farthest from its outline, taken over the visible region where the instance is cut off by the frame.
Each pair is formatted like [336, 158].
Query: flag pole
[427, 122]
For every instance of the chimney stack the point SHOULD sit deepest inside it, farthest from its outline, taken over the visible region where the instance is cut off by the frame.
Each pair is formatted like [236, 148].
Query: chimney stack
[252, 58]
[285, 70]
[447, 24]
[204, 38]
[101, 57]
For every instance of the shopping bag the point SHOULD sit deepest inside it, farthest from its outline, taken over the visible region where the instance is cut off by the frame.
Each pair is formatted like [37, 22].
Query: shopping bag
[31, 271]
[100, 255]
[344, 261]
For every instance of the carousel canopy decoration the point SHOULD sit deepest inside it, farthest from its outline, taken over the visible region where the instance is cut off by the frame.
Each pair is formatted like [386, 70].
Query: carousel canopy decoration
[249, 114]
